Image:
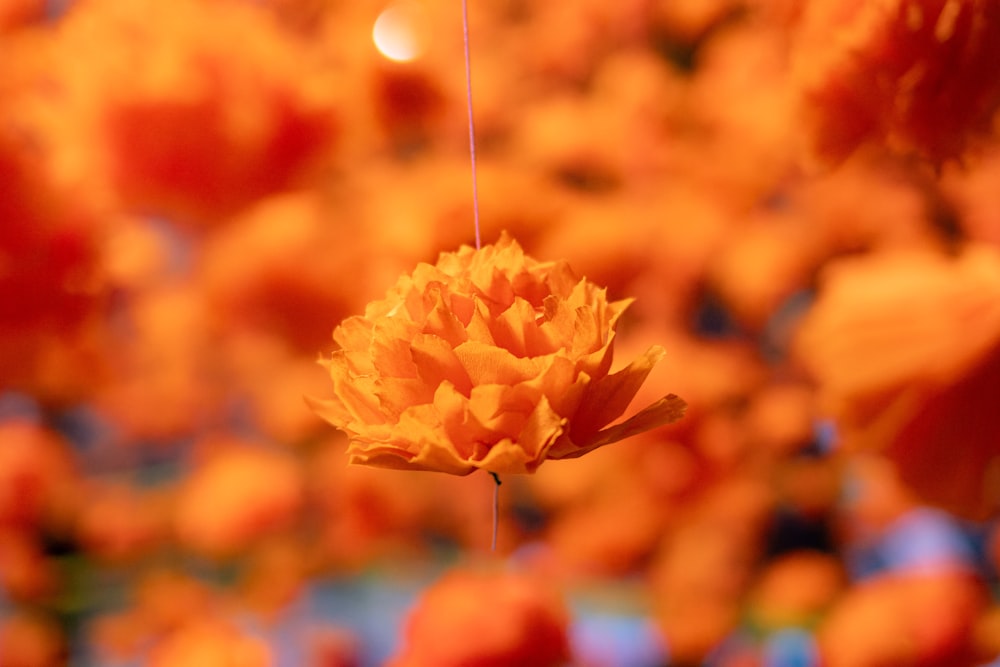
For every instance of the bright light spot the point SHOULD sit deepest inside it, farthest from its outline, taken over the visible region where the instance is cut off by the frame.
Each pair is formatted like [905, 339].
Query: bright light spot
[397, 33]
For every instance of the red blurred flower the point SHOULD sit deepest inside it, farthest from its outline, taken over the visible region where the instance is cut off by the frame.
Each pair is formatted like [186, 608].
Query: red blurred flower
[25, 573]
[185, 124]
[18, 13]
[482, 619]
[31, 641]
[303, 278]
[52, 287]
[918, 75]
[39, 483]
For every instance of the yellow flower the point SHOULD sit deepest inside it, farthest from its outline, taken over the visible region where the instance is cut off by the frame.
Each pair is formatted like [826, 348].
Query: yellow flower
[488, 359]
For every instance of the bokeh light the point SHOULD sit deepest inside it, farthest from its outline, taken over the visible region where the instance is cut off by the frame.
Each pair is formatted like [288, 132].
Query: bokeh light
[400, 31]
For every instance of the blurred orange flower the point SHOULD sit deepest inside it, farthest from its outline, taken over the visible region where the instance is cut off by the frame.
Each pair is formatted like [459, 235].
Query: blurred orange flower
[916, 75]
[295, 287]
[184, 124]
[120, 522]
[488, 359]
[483, 619]
[274, 576]
[238, 495]
[906, 351]
[39, 481]
[210, 642]
[28, 640]
[905, 619]
[164, 600]
[795, 589]
[160, 382]
[702, 575]
[25, 573]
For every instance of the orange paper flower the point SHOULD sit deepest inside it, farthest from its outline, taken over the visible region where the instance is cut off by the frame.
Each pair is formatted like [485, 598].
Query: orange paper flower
[488, 359]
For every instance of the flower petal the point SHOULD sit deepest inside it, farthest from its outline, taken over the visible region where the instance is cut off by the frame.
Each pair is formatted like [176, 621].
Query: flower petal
[441, 319]
[463, 429]
[390, 348]
[353, 395]
[562, 384]
[397, 394]
[503, 409]
[437, 362]
[515, 330]
[419, 443]
[609, 396]
[531, 447]
[354, 336]
[487, 364]
[665, 411]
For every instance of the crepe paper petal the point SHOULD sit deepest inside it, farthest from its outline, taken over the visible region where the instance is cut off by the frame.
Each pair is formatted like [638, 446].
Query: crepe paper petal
[665, 411]
[437, 363]
[487, 364]
[610, 395]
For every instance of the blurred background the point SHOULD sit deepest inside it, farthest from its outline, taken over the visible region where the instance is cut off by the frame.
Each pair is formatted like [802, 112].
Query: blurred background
[801, 197]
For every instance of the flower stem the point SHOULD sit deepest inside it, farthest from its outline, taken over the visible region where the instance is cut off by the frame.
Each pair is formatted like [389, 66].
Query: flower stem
[496, 509]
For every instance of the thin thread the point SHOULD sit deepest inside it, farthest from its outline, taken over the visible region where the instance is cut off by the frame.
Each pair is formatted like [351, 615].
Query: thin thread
[475, 216]
[472, 123]
[496, 509]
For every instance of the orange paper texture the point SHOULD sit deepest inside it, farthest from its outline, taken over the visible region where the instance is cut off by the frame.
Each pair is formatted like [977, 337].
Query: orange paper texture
[488, 359]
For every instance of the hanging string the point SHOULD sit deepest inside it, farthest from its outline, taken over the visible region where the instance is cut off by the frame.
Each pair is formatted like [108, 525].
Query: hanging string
[475, 215]
[472, 123]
